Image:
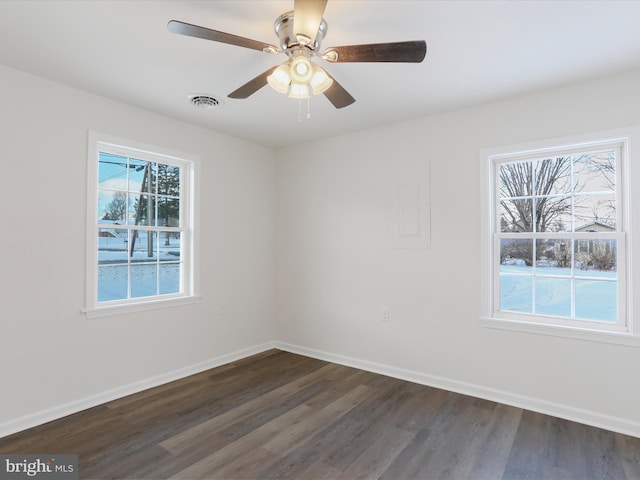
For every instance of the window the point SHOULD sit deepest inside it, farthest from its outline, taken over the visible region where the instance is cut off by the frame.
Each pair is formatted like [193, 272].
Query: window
[557, 237]
[140, 226]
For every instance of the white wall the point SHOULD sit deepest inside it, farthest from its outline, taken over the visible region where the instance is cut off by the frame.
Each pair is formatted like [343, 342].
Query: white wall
[336, 267]
[50, 353]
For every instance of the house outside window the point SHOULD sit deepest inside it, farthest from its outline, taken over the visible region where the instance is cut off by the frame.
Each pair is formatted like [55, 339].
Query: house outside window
[557, 237]
[140, 240]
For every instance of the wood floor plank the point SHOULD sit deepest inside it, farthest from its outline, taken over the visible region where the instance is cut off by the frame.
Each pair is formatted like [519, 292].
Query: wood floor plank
[369, 419]
[381, 452]
[443, 448]
[286, 416]
[493, 445]
[265, 414]
[220, 375]
[231, 389]
[628, 449]
[138, 464]
[293, 435]
[318, 471]
[246, 466]
[572, 444]
[341, 384]
[530, 450]
[337, 437]
[547, 446]
[216, 423]
[214, 463]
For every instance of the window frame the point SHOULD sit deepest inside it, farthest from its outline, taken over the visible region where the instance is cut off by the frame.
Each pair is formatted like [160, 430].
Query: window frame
[623, 331]
[98, 142]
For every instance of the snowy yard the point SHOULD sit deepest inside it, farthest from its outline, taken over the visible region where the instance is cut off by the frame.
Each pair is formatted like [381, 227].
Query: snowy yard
[154, 267]
[549, 291]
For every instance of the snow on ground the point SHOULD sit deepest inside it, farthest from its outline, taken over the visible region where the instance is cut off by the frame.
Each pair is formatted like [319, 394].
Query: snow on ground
[549, 291]
[149, 275]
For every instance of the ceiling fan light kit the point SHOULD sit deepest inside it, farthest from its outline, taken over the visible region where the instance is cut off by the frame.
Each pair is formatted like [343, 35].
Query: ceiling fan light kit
[299, 75]
[279, 79]
[300, 33]
[320, 81]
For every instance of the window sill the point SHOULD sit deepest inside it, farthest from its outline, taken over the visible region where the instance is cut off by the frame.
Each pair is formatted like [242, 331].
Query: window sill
[625, 339]
[139, 307]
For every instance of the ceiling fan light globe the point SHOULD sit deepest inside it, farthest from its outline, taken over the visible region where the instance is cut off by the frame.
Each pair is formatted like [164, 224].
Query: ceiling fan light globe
[279, 79]
[301, 70]
[320, 81]
[299, 90]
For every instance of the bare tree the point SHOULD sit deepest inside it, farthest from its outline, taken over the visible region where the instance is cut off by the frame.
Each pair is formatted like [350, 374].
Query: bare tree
[604, 164]
[521, 182]
[532, 200]
[116, 209]
[601, 168]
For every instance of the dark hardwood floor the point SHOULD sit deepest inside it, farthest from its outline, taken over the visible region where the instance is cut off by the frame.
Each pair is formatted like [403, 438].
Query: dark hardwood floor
[280, 415]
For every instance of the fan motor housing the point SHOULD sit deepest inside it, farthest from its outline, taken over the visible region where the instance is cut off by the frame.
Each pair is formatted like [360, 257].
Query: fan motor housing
[284, 29]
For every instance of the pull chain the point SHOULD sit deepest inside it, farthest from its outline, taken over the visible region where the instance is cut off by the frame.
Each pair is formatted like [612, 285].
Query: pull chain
[308, 116]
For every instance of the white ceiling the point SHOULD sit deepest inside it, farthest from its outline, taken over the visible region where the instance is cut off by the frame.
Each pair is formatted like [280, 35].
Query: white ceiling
[477, 52]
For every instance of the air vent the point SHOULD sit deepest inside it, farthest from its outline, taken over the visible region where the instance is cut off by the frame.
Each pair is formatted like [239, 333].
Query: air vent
[205, 101]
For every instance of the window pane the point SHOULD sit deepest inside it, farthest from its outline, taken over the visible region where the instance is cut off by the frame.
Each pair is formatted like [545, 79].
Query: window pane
[516, 180]
[553, 296]
[516, 290]
[553, 214]
[112, 283]
[595, 213]
[596, 300]
[140, 173]
[168, 212]
[112, 206]
[516, 293]
[169, 246]
[142, 210]
[596, 258]
[144, 246]
[168, 180]
[144, 280]
[516, 256]
[516, 215]
[552, 176]
[112, 171]
[595, 172]
[553, 256]
[112, 246]
[169, 278]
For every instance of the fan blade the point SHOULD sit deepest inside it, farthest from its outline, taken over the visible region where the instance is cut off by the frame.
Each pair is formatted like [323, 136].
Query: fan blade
[338, 95]
[253, 85]
[411, 52]
[307, 15]
[175, 26]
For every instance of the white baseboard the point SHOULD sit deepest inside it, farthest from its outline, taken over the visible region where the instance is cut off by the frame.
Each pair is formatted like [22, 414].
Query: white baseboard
[567, 412]
[53, 413]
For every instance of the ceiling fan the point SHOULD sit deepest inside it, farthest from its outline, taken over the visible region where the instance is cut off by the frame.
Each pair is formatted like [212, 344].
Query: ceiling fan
[301, 32]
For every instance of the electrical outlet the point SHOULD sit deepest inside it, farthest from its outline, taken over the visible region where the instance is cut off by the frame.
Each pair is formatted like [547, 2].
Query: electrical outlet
[384, 314]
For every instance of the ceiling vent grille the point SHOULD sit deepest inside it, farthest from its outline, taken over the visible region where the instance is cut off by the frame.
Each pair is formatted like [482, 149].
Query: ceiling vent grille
[205, 101]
